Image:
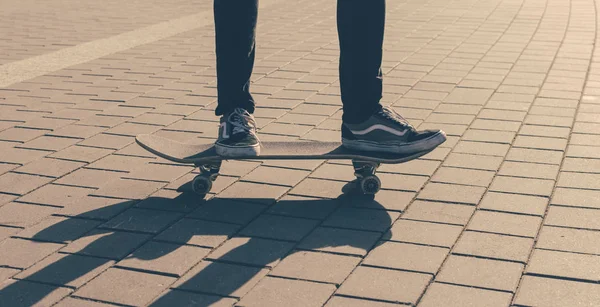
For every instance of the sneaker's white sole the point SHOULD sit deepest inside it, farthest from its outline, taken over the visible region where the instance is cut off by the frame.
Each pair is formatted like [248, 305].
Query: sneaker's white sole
[237, 151]
[427, 144]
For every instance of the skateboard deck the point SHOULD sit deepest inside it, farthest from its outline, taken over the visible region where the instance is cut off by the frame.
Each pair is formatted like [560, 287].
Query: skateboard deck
[294, 150]
[206, 159]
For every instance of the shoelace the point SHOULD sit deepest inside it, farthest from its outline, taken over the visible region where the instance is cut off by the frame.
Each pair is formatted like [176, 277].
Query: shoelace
[395, 117]
[241, 121]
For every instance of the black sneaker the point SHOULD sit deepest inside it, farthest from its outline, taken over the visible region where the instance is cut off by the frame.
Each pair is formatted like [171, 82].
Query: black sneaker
[237, 135]
[387, 131]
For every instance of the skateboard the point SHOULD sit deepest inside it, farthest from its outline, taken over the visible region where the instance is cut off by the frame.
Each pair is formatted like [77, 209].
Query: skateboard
[206, 159]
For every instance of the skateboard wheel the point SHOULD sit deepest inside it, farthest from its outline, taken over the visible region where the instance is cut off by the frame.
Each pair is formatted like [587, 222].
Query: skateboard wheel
[370, 185]
[201, 185]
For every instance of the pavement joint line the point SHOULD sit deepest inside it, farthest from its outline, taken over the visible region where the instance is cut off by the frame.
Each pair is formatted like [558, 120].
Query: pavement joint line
[19, 71]
[98, 301]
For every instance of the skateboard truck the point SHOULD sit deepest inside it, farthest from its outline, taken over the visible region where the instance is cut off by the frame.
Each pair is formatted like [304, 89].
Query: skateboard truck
[209, 172]
[368, 182]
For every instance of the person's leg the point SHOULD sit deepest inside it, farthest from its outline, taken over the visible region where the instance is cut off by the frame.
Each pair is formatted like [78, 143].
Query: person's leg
[367, 126]
[235, 33]
[360, 31]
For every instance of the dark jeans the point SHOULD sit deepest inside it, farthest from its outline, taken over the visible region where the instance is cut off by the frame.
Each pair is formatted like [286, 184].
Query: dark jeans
[360, 26]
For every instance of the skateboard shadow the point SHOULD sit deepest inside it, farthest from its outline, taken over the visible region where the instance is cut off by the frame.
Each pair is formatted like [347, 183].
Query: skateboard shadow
[220, 277]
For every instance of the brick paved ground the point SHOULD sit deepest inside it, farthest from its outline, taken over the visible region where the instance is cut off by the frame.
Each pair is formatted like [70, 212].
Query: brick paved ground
[505, 213]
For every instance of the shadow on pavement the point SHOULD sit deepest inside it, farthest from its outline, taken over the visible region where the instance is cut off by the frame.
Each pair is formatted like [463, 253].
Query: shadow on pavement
[214, 277]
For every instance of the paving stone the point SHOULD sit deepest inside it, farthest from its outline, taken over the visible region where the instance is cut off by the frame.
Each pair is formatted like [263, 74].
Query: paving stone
[221, 279]
[142, 220]
[581, 165]
[439, 212]
[576, 198]
[409, 257]
[20, 253]
[55, 195]
[562, 264]
[252, 251]
[491, 274]
[494, 246]
[497, 125]
[120, 163]
[21, 184]
[439, 294]
[473, 161]
[20, 135]
[318, 188]
[24, 293]
[159, 172]
[414, 167]
[539, 187]
[128, 189]
[569, 240]
[463, 176]
[65, 270]
[184, 298]
[107, 141]
[423, 233]
[361, 219]
[234, 211]
[316, 266]
[280, 176]
[304, 207]
[24, 215]
[578, 180]
[279, 227]
[277, 292]
[383, 200]
[505, 223]
[81, 154]
[545, 131]
[514, 203]
[344, 241]
[496, 114]
[342, 301]
[20, 155]
[77, 131]
[253, 192]
[96, 207]
[504, 137]
[80, 302]
[543, 120]
[382, 284]
[125, 287]
[539, 291]
[197, 232]
[49, 143]
[106, 244]
[59, 229]
[529, 170]
[49, 167]
[582, 139]
[535, 142]
[164, 257]
[534, 156]
[573, 217]
[334, 172]
[452, 193]
[168, 200]
[88, 178]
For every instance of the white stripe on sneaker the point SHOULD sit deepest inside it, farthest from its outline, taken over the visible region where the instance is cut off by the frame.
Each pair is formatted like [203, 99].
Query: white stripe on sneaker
[379, 127]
